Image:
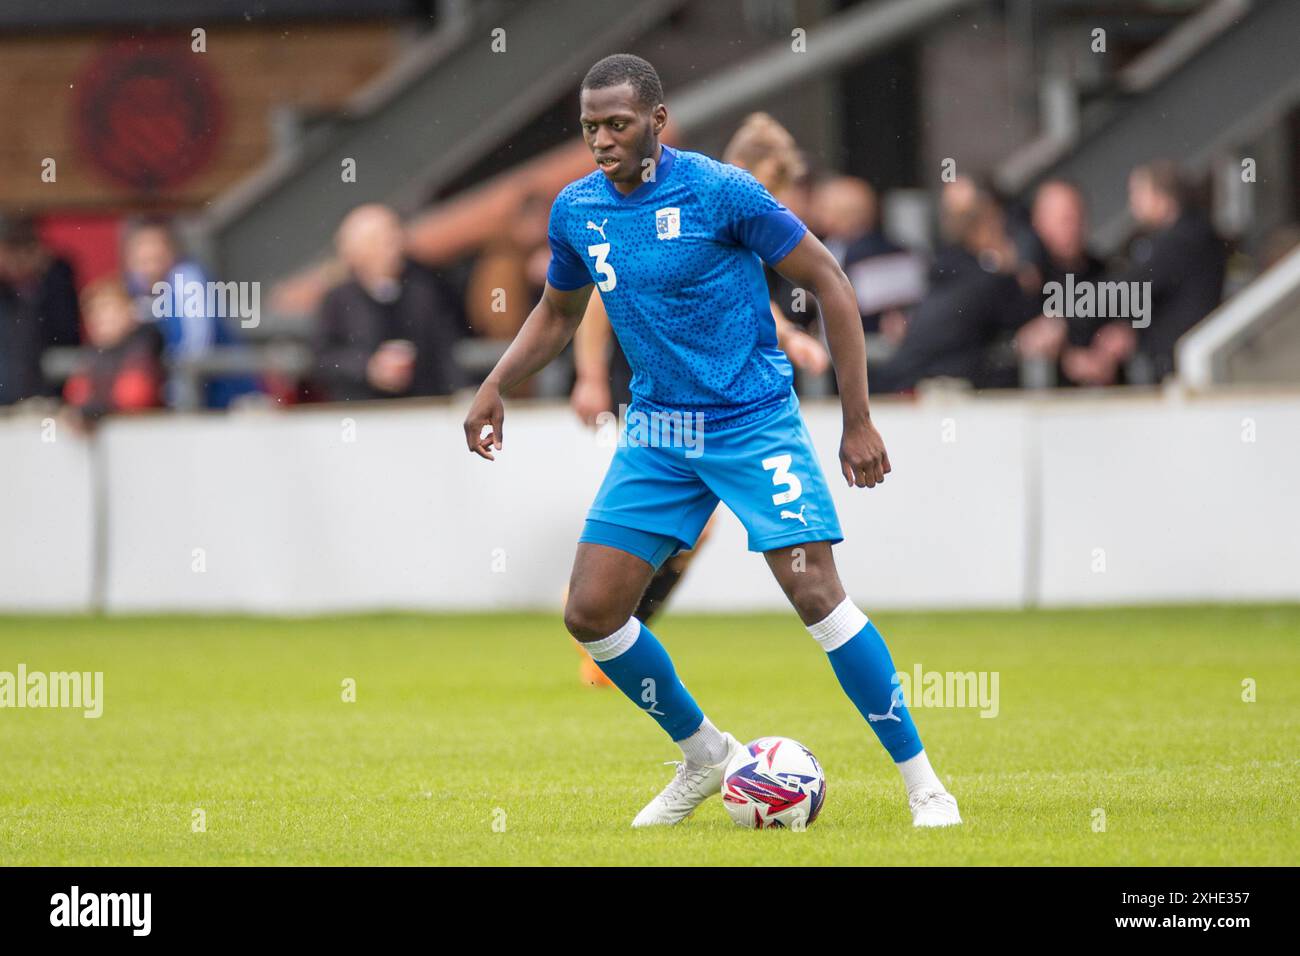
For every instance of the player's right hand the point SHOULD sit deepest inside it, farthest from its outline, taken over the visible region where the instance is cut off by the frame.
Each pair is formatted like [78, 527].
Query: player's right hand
[487, 409]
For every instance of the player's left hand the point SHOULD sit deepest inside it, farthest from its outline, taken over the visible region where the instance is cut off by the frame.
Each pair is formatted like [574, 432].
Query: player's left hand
[863, 459]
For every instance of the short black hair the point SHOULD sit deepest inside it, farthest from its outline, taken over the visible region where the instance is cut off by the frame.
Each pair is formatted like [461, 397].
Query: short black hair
[623, 68]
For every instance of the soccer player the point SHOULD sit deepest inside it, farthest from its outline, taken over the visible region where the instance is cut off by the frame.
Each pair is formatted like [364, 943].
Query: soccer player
[765, 148]
[675, 242]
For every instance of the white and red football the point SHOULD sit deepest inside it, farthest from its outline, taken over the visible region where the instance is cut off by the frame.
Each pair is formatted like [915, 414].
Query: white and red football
[774, 782]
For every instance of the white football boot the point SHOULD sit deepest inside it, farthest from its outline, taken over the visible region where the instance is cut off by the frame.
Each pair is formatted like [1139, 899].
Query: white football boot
[691, 785]
[933, 808]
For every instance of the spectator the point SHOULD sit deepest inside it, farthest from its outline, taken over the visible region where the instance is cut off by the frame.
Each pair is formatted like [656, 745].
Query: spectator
[123, 372]
[973, 304]
[844, 211]
[388, 330]
[1059, 220]
[958, 203]
[1183, 260]
[38, 309]
[885, 277]
[767, 149]
[153, 260]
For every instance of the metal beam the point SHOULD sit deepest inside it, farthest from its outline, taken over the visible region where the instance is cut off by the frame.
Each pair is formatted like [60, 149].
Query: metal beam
[842, 39]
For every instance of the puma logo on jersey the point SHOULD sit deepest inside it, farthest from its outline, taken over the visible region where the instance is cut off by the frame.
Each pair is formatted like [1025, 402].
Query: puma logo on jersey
[799, 515]
[600, 229]
[895, 700]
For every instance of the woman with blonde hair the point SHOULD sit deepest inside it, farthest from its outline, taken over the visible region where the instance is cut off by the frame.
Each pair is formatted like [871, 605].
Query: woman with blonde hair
[765, 148]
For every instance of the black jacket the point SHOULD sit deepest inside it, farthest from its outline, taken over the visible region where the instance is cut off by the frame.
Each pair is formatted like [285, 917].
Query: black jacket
[32, 319]
[967, 312]
[353, 325]
[1185, 264]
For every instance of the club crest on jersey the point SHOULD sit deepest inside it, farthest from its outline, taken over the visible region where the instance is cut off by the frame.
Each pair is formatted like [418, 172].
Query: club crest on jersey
[668, 222]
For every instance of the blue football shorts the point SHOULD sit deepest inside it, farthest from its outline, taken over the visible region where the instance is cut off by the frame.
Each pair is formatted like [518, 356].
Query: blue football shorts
[658, 495]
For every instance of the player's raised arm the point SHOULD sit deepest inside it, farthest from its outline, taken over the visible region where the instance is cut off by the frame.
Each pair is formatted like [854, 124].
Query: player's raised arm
[810, 265]
[544, 335]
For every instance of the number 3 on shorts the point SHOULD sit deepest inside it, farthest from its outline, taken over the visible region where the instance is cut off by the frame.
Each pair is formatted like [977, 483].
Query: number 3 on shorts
[781, 476]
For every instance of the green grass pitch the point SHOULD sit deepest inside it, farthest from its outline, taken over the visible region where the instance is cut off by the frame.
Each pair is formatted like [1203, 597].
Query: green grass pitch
[472, 742]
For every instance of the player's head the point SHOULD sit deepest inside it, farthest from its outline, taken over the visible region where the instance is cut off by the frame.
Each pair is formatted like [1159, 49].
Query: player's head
[622, 115]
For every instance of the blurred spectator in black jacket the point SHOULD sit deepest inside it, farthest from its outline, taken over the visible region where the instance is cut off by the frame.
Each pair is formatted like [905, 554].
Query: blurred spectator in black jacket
[1060, 222]
[885, 277]
[38, 309]
[974, 303]
[1180, 255]
[387, 331]
[122, 370]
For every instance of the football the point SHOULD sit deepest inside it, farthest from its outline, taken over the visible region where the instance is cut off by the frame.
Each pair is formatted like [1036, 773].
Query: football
[774, 782]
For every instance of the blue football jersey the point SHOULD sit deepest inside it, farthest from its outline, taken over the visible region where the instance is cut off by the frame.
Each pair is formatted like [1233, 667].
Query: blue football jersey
[679, 266]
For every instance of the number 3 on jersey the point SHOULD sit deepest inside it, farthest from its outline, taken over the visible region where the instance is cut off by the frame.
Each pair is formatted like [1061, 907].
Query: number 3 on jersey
[780, 466]
[606, 272]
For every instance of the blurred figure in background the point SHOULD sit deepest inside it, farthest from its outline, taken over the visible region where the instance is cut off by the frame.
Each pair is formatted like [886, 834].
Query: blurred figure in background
[157, 277]
[123, 371]
[765, 148]
[846, 211]
[389, 329]
[975, 300]
[958, 202]
[1060, 223]
[1177, 252]
[38, 310]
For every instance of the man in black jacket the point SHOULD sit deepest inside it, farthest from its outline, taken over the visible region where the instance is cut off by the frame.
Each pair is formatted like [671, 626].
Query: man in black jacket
[1062, 259]
[38, 309]
[1179, 254]
[388, 331]
[974, 302]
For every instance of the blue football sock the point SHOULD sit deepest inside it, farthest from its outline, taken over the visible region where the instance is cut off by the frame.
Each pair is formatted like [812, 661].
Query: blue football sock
[862, 663]
[637, 663]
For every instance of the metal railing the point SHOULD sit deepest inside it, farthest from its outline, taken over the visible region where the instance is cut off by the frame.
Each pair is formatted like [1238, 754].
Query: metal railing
[1203, 355]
